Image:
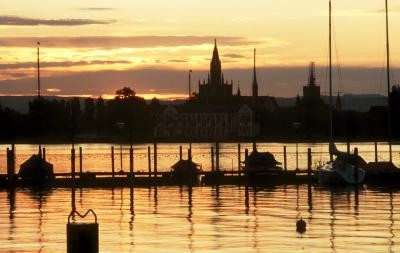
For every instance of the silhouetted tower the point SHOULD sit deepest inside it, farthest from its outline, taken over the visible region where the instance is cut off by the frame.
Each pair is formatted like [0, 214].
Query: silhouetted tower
[215, 67]
[238, 93]
[338, 103]
[255, 84]
[311, 92]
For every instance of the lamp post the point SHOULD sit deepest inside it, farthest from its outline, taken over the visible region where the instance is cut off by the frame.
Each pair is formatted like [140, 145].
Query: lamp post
[296, 126]
[120, 126]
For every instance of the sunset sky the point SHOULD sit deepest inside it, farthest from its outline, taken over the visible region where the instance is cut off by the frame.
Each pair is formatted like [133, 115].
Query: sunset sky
[94, 47]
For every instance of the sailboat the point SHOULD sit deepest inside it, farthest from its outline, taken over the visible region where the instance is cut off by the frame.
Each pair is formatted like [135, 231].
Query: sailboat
[385, 171]
[36, 168]
[346, 168]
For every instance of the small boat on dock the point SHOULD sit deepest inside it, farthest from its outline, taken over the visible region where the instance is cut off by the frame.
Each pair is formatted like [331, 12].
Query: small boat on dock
[186, 172]
[36, 168]
[262, 167]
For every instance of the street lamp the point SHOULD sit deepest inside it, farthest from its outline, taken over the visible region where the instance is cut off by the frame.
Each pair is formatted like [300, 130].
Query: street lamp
[120, 126]
[296, 126]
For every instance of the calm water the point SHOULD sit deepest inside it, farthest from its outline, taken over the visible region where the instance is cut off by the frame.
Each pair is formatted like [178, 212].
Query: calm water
[210, 219]
[223, 219]
[97, 157]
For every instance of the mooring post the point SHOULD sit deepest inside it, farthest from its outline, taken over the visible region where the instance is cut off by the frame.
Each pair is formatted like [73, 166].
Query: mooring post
[284, 158]
[217, 156]
[155, 159]
[149, 159]
[376, 152]
[356, 166]
[131, 161]
[348, 147]
[10, 164]
[239, 158]
[80, 161]
[180, 153]
[40, 151]
[212, 159]
[189, 154]
[112, 162]
[309, 163]
[73, 162]
[44, 153]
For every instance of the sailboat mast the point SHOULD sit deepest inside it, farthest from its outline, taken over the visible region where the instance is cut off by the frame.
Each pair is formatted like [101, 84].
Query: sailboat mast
[38, 70]
[388, 81]
[330, 78]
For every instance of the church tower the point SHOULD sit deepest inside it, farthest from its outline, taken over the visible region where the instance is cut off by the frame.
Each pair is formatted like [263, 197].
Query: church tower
[215, 67]
[255, 84]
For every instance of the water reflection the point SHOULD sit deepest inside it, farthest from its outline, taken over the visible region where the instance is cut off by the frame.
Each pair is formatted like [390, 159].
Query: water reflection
[220, 218]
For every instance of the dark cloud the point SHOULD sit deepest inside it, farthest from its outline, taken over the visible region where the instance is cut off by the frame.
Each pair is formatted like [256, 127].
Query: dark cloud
[22, 21]
[58, 64]
[119, 41]
[96, 9]
[235, 56]
[275, 81]
[177, 61]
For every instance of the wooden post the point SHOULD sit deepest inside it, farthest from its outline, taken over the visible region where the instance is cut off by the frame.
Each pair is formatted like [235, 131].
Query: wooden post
[284, 158]
[356, 167]
[10, 164]
[180, 152]
[155, 159]
[309, 163]
[239, 158]
[80, 161]
[131, 162]
[376, 152]
[189, 154]
[348, 147]
[73, 162]
[212, 159]
[217, 156]
[112, 162]
[246, 153]
[44, 153]
[149, 160]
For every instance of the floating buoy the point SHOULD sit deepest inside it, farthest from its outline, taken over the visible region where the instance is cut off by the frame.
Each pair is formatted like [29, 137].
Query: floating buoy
[301, 226]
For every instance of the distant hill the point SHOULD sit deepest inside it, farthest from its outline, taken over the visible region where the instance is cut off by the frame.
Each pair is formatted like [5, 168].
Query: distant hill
[360, 103]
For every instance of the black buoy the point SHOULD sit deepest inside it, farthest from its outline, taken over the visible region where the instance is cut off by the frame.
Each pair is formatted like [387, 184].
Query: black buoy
[82, 237]
[301, 226]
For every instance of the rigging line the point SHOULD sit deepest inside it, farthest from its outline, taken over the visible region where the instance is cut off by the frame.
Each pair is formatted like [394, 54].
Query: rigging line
[338, 66]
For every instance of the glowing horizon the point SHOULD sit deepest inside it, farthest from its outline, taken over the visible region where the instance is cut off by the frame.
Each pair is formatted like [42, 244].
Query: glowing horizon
[78, 39]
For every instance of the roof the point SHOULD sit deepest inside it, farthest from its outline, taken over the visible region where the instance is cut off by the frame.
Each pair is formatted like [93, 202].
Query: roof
[261, 158]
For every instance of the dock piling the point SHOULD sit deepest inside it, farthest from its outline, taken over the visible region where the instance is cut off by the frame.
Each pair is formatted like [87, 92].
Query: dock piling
[212, 159]
[309, 163]
[284, 158]
[112, 162]
[217, 156]
[80, 161]
[376, 152]
[44, 153]
[180, 153]
[348, 147]
[239, 158]
[131, 161]
[356, 166]
[11, 163]
[155, 159]
[73, 163]
[149, 160]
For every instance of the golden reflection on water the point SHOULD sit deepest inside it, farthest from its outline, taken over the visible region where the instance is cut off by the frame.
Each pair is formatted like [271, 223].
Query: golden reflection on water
[207, 219]
[97, 157]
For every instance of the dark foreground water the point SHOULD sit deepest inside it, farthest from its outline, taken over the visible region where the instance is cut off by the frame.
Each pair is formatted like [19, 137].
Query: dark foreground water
[207, 219]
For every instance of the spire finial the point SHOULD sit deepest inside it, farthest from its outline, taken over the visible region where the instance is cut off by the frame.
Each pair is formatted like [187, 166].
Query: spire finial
[255, 84]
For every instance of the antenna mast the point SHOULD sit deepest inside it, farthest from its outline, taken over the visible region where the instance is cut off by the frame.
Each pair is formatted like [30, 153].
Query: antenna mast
[330, 78]
[388, 81]
[38, 70]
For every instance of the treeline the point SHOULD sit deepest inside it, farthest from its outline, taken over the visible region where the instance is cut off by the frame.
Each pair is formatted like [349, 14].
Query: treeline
[125, 116]
[129, 117]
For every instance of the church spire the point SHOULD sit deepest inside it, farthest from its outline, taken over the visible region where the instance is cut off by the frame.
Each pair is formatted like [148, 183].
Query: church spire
[311, 81]
[255, 84]
[215, 66]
